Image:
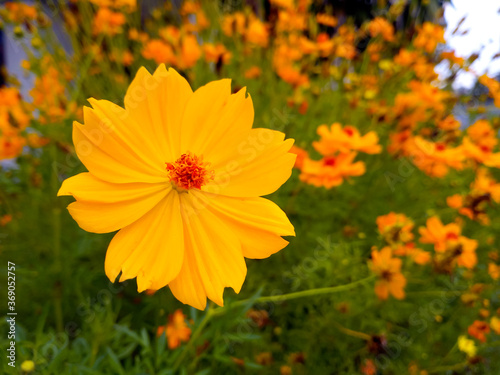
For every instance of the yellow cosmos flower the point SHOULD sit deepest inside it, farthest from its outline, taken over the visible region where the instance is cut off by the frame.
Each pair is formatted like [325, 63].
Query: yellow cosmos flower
[467, 346]
[181, 175]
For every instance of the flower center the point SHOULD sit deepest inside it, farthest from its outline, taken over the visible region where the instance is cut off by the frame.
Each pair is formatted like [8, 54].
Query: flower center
[189, 171]
[348, 131]
[485, 148]
[451, 236]
[386, 275]
[329, 161]
[440, 146]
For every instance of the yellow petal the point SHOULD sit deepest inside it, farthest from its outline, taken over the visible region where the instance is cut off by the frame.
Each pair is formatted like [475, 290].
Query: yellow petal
[188, 287]
[202, 114]
[213, 260]
[103, 207]
[158, 102]
[258, 165]
[257, 222]
[113, 148]
[86, 187]
[212, 116]
[151, 249]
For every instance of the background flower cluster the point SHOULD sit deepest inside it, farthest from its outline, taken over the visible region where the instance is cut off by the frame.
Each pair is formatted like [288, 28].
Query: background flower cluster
[395, 191]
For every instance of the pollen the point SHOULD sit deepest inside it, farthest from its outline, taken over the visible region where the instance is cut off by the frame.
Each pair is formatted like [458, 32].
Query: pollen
[329, 161]
[189, 172]
[440, 147]
[348, 131]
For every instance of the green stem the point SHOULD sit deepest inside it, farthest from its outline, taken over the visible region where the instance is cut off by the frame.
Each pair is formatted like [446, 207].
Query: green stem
[350, 332]
[457, 366]
[208, 315]
[301, 294]
[433, 293]
[56, 217]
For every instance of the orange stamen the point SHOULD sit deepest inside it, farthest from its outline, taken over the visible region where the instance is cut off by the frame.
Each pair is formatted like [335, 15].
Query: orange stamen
[189, 171]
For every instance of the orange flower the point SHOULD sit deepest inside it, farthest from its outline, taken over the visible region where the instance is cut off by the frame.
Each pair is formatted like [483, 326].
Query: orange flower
[190, 7]
[374, 50]
[452, 247]
[301, 156]
[465, 252]
[481, 154]
[494, 271]
[19, 13]
[483, 134]
[190, 52]
[128, 5]
[259, 317]
[292, 76]
[326, 19]
[324, 44]
[428, 37]
[253, 72]
[399, 142]
[345, 50]
[485, 185]
[480, 143]
[264, 358]
[175, 49]
[5, 219]
[200, 21]
[306, 46]
[449, 123]
[35, 141]
[14, 114]
[388, 269]
[233, 24]
[395, 227]
[419, 256]
[405, 57]
[479, 330]
[11, 146]
[291, 20]
[257, 33]
[177, 331]
[455, 201]
[369, 368]
[454, 59]
[331, 171]
[171, 35]
[159, 51]
[108, 22]
[345, 139]
[380, 26]
[49, 95]
[483, 190]
[286, 4]
[493, 86]
[216, 53]
[438, 234]
[434, 158]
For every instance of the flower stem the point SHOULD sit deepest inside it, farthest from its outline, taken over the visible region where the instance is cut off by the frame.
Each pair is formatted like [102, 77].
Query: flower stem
[350, 332]
[208, 315]
[439, 369]
[56, 216]
[301, 294]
